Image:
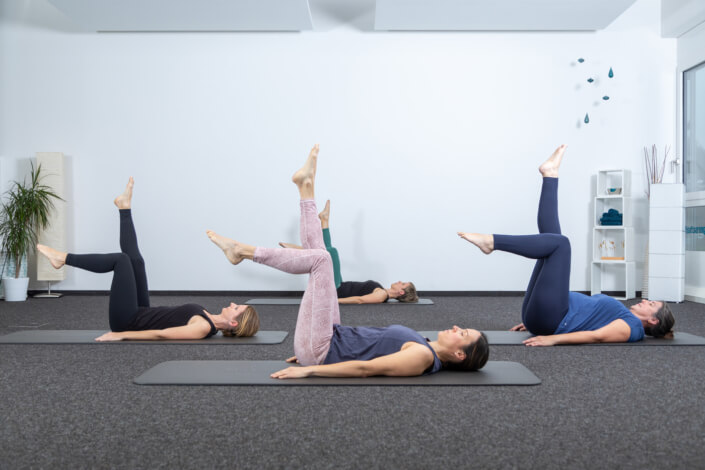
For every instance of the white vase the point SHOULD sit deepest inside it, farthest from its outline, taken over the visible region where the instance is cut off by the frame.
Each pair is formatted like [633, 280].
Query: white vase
[15, 288]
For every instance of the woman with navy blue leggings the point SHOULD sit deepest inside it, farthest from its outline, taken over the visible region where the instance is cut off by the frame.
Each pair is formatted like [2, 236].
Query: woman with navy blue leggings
[550, 310]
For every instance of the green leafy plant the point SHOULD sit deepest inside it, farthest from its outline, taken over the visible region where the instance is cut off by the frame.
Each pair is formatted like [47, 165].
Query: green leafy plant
[24, 213]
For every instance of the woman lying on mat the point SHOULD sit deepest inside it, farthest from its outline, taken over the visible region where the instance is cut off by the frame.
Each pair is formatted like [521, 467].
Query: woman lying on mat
[550, 310]
[131, 317]
[353, 292]
[324, 346]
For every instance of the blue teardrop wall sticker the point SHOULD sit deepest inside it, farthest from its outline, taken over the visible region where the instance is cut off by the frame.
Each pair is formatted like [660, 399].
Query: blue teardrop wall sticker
[611, 73]
[590, 80]
[587, 119]
[605, 97]
[581, 60]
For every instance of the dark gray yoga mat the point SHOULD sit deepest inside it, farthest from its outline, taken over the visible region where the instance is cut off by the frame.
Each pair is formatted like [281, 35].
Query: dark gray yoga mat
[258, 373]
[517, 337]
[89, 336]
[297, 301]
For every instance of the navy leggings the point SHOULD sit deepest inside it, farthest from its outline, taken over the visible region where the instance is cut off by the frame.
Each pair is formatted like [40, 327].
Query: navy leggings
[546, 299]
[129, 289]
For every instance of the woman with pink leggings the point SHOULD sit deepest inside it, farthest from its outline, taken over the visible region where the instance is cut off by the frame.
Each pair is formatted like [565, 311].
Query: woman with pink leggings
[326, 348]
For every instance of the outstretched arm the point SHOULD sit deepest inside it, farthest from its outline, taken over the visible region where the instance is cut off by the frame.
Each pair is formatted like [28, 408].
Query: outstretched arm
[194, 330]
[410, 361]
[376, 297]
[617, 331]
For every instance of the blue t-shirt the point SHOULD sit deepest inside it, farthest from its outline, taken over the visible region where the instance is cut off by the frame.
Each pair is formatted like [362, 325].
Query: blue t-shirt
[587, 313]
[361, 343]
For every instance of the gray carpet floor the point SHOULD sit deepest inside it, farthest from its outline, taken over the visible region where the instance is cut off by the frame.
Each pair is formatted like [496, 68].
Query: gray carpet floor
[75, 406]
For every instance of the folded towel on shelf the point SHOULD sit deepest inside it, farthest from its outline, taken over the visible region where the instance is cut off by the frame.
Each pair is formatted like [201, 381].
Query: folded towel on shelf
[611, 217]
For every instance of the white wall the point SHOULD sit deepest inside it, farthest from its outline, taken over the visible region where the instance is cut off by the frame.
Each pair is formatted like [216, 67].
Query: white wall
[422, 135]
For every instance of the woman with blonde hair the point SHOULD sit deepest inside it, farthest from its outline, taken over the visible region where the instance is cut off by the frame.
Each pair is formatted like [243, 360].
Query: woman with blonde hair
[359, 292]
[131, 316]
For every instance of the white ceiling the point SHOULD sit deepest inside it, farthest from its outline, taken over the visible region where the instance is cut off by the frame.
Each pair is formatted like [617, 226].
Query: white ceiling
[498, 15]
[188, 15]
[296, 15]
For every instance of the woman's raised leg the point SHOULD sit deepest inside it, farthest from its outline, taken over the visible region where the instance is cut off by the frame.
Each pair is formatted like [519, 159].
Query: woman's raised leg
[324, 215]
[123, 290]
[546, 299]
[319, 306]
[547, 217]
[128, 243]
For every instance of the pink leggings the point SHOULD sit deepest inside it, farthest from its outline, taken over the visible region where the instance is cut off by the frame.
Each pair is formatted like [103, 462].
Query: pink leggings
[319, 305]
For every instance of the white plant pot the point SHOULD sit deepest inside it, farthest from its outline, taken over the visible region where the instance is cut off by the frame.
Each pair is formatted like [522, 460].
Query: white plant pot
[15, 288]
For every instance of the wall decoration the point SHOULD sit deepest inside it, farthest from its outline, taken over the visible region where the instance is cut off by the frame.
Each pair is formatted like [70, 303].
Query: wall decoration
[593, 79]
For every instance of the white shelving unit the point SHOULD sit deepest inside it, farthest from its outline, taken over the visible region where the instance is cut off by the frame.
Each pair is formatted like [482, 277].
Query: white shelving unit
[613, 245]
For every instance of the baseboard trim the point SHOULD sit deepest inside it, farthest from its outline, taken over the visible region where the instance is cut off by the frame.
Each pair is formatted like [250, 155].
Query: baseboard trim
[267, 293]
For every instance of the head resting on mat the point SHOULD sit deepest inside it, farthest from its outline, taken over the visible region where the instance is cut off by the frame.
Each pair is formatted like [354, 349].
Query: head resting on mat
[656, 317]
[463, 349]
[403, 292]
[243, 320]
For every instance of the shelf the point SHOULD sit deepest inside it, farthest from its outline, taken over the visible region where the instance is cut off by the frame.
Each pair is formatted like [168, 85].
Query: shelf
[613, 241]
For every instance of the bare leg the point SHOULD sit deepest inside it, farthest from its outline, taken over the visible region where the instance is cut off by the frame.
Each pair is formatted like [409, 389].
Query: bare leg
[484, 242]
[324, 215]
[124, 201]
[305, 177]
[234, 250]
[549, 168]
[291, 245]
[56, 258]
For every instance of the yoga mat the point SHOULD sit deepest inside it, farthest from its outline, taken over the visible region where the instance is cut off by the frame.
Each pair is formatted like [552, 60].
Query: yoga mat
[517, 337]
[89, 336]
[257, 373]
[297, 301]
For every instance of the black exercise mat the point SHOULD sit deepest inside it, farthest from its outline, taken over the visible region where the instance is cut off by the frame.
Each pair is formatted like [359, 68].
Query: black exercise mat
[517, 338]
[258, 373]
[89, 336]
[297, 301]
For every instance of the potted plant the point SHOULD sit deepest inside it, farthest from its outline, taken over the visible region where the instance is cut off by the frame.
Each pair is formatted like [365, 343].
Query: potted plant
[24, 212]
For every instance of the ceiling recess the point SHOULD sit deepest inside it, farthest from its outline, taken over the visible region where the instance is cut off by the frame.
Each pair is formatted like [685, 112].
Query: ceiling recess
[497, 15]
[188, 15]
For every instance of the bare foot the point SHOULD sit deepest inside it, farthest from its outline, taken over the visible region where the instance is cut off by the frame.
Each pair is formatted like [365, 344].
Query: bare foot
[56, 258]
[549, 168]
[324, 215]
[307, 173]
[290, 245]
[124, 201]
[483, 241]
[231, 248]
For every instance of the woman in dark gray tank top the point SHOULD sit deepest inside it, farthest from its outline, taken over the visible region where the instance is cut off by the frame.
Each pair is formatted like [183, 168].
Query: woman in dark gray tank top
[356, 292]
[321, 344]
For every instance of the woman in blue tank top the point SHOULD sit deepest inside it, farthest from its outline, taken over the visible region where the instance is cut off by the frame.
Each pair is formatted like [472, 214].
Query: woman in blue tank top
[550, 310]
[355, 292]
[321, 344]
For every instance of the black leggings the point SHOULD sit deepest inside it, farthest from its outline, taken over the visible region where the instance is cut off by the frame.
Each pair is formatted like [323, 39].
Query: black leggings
[129, 289]
[546, 299]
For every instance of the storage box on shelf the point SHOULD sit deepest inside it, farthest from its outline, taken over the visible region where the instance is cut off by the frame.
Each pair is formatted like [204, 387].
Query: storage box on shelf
[613, 235]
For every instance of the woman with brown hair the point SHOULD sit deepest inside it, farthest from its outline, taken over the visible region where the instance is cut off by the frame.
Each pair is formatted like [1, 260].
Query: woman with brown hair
[131, 317]
[550, 310]
[329, 349]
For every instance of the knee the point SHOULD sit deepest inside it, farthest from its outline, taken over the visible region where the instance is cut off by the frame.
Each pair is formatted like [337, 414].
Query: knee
[563, 243]
[322, 257]
[123, 259]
